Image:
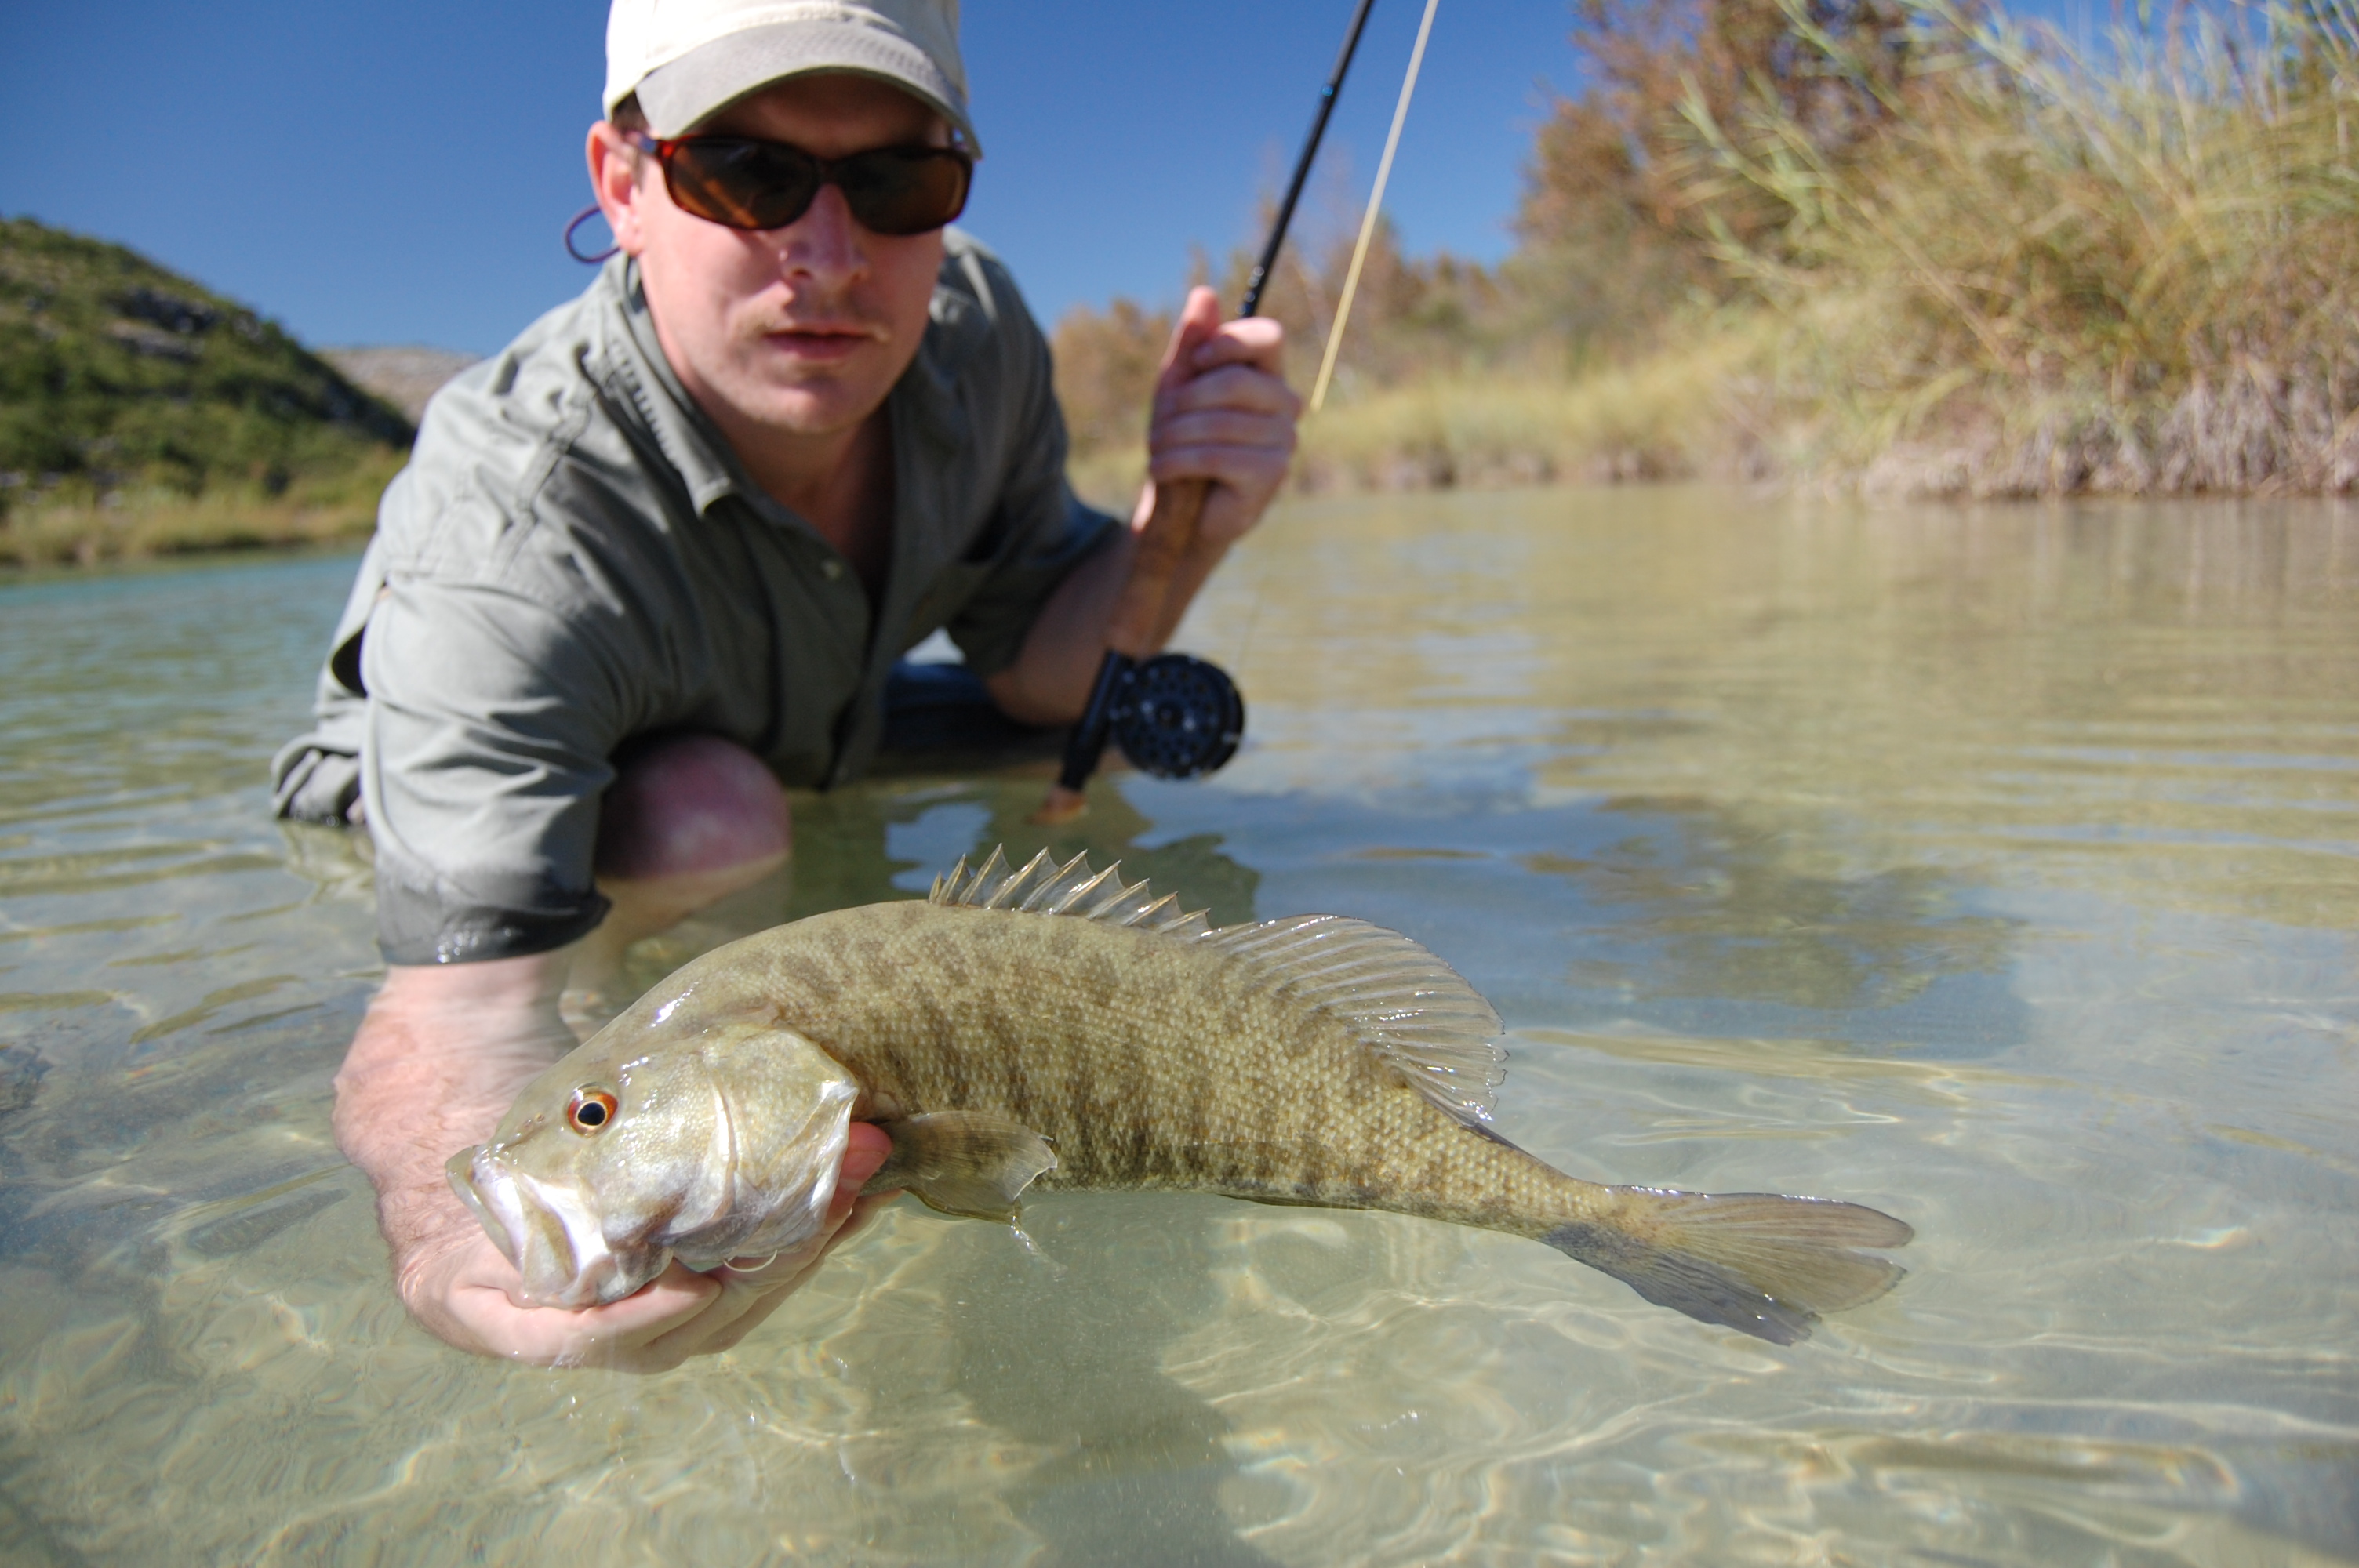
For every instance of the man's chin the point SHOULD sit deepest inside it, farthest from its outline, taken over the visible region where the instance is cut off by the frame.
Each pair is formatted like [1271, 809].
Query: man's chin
[810, 404]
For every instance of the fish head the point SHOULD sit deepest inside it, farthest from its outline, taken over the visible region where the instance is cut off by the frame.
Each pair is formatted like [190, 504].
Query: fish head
[703, 1145]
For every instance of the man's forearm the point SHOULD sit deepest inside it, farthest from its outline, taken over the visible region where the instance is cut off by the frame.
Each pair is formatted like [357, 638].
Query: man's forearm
[436, 1062]
[1049, 681]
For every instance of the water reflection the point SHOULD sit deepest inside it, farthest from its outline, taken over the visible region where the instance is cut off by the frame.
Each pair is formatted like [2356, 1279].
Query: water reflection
[1724, 915]
[1060, 1344]
[1675, 914]
[1994, 867]
[889, 840]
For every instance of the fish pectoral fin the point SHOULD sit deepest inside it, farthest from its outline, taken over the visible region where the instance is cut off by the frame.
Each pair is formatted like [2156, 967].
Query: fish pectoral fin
[973, 1163]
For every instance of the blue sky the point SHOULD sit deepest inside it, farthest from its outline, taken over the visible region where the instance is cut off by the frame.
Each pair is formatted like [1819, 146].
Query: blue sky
[382, 173]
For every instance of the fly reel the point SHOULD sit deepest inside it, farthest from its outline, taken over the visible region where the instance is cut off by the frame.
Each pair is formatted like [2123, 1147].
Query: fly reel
[1176, 716]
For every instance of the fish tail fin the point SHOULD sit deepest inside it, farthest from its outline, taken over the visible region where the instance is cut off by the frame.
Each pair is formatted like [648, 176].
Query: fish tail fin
[1758, 1262]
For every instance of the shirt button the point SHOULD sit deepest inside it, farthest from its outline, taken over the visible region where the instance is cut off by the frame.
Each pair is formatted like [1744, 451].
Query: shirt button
[832, 567]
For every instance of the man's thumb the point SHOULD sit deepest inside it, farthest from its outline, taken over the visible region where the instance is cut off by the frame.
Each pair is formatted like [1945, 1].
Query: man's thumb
[1200, 318]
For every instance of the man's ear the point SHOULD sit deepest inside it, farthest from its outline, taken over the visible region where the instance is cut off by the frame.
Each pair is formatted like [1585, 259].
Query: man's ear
[614, 181]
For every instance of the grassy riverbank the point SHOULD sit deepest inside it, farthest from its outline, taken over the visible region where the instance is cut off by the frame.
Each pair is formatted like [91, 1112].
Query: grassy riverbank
[1906, 247]
[141, 414]
[338, 507]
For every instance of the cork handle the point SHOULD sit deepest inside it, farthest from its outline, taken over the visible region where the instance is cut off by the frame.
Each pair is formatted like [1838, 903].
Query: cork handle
[1136, 627]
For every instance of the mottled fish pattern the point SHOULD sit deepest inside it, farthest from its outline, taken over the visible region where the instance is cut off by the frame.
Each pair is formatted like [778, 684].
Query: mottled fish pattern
[1048, 1022]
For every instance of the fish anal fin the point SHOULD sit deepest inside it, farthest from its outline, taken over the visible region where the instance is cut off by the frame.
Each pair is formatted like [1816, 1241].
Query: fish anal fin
[971, 1163]
[1760, 1262]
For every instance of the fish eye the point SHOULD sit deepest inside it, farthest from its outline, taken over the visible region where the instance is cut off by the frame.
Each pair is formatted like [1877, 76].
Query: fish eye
[590, 1111]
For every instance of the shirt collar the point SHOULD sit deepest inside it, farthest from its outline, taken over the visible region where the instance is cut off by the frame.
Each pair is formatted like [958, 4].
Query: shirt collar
[689, 442]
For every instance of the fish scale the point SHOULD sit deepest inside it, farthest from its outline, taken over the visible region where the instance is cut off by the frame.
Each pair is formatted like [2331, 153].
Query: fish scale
[1048, 1023]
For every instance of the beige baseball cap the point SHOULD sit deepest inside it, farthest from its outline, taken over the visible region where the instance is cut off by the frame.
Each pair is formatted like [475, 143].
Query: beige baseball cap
[689, 59]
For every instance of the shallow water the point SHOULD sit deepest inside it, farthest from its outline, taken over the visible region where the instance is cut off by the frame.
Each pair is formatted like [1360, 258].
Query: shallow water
[1999, 868]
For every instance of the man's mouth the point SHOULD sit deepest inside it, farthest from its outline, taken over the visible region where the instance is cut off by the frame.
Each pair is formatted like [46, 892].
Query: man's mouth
[821, 342]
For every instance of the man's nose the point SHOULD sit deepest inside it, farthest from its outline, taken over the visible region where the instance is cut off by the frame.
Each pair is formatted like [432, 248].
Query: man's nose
[824, 244]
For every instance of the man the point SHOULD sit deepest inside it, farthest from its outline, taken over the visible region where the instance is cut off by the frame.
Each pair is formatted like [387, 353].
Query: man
[660, 556]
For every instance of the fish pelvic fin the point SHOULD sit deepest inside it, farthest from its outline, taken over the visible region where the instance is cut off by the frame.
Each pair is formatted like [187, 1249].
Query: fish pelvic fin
[1761, 1264]
[971, 1163]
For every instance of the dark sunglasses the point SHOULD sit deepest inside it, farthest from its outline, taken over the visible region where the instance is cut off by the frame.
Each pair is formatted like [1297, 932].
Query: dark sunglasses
[749, 184]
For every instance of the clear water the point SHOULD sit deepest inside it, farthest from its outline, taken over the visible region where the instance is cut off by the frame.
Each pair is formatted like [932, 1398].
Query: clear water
[1999, 868]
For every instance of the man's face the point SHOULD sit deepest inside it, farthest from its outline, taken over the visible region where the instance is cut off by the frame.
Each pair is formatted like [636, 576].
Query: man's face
[802, 330]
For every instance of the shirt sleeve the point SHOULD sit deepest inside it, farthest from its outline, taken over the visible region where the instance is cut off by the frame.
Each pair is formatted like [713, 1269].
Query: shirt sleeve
[491, 718]
[1041, 531]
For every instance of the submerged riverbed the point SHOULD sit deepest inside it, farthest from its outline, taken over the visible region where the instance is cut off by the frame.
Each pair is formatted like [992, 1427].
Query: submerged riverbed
[1998, 869]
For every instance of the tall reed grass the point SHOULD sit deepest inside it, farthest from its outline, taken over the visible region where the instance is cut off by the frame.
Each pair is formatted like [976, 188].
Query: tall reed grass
[1900, 244]
[2133, 272]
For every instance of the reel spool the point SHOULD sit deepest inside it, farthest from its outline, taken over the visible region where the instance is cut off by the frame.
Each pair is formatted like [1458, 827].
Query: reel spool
[1177, 715]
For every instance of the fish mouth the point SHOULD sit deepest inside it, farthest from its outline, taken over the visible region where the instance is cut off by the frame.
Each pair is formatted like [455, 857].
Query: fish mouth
[503, 1230]
[550, 1233]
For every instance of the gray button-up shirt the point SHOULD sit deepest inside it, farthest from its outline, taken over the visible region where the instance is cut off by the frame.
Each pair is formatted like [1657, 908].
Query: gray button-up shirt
[574, 559]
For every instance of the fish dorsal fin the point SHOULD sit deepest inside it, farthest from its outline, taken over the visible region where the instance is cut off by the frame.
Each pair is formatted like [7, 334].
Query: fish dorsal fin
[1406, 1006]
[1043, 887]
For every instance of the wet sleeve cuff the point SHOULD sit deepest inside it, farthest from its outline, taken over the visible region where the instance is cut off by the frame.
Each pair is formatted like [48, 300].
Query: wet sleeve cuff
[310, 784]
[417, 928]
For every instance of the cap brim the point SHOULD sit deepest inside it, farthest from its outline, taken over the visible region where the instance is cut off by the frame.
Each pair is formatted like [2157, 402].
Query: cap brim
[705, 80]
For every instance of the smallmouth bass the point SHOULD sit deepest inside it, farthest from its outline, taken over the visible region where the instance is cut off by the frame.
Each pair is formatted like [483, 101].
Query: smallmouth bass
[1050, 1025]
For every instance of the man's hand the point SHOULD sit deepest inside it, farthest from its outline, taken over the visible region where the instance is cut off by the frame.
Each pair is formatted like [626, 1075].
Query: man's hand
[1222, 412]
[440, 1056]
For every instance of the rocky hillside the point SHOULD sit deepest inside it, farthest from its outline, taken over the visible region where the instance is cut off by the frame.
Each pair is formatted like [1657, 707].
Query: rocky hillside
[405, 375]
[118, 375]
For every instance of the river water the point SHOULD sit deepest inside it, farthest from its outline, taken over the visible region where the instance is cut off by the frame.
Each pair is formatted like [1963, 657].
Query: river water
[1997, 868]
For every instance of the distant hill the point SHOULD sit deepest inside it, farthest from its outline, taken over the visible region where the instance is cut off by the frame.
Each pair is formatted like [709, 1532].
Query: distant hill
[117, 374]
[405, 375]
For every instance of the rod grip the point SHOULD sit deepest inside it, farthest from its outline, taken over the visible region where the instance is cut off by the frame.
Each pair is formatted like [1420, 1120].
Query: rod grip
[1136, 628]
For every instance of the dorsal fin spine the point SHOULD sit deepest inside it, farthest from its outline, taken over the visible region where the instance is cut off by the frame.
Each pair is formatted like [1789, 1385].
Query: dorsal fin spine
[1087, 890]
[1040, 886]
[1400, 1001]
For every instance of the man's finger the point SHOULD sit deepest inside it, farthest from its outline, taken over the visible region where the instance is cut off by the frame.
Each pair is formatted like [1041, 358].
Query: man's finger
[1256, 340]
[555, 1335]
[745, 1305]
[1199, 320]
[653, 1310]
[1230, 386]
[1224, 428]
[1249, 471]
[865, 1154]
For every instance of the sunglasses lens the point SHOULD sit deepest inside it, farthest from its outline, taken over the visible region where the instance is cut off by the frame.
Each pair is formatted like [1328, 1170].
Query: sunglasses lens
[744, 184]
[904, 190]
[749, 184]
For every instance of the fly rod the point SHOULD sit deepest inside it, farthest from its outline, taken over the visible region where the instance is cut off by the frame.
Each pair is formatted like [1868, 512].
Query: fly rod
[1175, 716]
